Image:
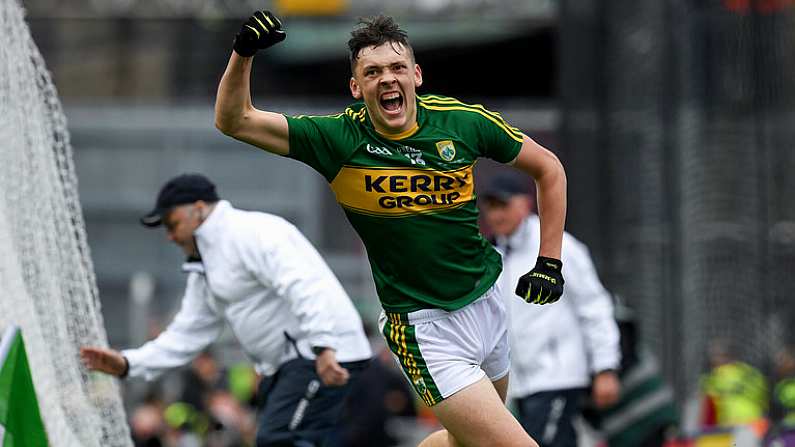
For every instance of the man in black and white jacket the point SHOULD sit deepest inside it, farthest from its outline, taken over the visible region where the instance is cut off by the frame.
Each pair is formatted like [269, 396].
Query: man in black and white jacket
[557, 350]
[257, 273]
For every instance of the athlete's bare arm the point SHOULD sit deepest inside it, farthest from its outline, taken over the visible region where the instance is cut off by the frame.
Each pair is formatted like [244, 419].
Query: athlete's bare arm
[236, 116]
[546, 169]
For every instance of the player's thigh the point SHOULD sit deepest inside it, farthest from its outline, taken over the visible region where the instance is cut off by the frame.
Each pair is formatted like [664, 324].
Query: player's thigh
[498, 363]
[477, 416]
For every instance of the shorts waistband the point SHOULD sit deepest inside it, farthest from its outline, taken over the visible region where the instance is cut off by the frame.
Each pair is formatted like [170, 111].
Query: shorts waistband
[426, 315]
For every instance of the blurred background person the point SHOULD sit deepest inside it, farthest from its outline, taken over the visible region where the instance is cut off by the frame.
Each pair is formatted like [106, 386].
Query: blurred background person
[203, 376]
[257, 273]
[782, 408]
[557, 350]
[147, 425]
[734, 392]
[215, 404]
[782, 411]
[645, 415]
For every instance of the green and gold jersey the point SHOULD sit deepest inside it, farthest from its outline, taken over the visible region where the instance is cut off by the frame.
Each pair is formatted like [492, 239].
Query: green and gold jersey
[411, 197]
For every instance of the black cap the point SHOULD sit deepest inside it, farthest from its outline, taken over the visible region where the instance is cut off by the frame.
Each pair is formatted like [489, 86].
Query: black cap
[503, 187]
[185, 188]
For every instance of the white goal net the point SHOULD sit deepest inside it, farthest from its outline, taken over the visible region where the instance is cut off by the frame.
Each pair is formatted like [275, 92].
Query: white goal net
[48, 284]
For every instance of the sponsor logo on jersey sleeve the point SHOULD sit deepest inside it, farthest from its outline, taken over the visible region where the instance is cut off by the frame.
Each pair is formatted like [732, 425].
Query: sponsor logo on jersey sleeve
[446, 150]
[399, 192]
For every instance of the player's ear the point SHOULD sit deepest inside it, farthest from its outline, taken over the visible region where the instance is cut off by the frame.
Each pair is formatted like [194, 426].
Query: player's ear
[356, 91]
[417, 75]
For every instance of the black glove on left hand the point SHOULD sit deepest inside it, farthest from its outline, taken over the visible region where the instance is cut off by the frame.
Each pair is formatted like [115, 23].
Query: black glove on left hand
[543, 284]
[260, 31]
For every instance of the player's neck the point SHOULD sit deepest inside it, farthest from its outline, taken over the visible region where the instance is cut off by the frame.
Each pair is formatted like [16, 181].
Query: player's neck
[407, 129]
[399, 135]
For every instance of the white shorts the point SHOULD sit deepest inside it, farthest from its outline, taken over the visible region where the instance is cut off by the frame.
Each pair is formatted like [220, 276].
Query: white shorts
[443, 352]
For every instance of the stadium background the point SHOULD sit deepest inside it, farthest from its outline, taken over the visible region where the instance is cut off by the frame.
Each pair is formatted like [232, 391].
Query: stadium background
[673, 119]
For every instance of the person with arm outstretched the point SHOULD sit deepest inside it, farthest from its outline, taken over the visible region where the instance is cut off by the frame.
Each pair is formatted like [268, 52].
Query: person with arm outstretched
[256, 273]
[402, 168]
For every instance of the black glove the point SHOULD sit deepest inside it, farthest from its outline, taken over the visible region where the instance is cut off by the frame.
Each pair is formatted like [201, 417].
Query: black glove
[543, 284]
[260, 31]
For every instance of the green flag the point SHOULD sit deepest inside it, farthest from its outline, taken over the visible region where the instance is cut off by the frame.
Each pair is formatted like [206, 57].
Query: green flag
[20, 421]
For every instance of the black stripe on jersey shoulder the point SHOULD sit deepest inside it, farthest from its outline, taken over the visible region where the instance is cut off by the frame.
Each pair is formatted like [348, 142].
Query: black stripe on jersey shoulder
[445, 103]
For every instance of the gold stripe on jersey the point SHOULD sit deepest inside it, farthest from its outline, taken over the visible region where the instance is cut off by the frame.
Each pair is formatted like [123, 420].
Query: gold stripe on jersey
[444, 104]
[399, 192]
[431, 99]
[356, 115]
[436, 99]
[335, 116]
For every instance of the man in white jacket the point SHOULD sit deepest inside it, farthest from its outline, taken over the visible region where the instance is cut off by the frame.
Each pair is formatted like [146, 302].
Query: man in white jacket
[557, 350]
[257, 273]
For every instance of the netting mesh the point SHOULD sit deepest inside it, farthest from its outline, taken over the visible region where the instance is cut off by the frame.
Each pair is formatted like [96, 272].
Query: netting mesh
[49, 289]
[678, 139]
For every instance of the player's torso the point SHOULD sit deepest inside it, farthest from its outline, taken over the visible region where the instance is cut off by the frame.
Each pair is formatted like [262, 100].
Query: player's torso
[411, 199]
[428, 171]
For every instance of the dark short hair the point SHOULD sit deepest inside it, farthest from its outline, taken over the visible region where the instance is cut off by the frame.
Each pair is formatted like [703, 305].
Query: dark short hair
[373, 32]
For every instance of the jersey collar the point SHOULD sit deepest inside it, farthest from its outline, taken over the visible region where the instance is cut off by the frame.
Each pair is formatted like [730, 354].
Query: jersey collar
[399, 136]
[406, 133]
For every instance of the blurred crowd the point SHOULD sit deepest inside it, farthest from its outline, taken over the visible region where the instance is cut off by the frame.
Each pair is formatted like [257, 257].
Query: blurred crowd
[210, 405]
[742, 403]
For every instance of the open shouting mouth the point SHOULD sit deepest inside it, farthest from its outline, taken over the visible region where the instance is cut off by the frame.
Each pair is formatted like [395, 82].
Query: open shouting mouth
[392, 102]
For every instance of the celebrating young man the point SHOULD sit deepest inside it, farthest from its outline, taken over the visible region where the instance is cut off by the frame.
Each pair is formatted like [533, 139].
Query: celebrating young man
[401, 166]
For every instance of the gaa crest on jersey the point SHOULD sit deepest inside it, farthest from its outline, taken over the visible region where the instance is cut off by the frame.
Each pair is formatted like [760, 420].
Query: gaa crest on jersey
[419, 385]
[446, 150]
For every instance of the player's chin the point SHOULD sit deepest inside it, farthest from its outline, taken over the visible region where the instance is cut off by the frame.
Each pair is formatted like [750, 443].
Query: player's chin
[394, 120]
